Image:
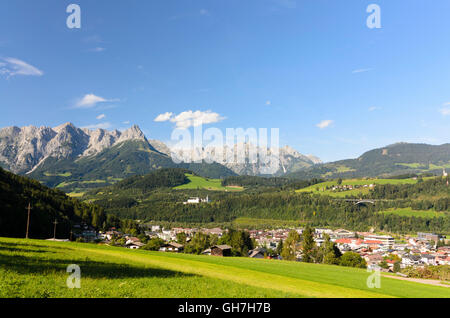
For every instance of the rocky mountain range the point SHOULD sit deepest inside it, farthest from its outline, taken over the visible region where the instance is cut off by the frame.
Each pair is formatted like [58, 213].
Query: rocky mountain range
[67, 155]
[22, 150]
[238, 158]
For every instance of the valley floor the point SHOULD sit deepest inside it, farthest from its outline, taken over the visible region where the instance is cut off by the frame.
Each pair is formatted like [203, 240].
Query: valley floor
[32, 268]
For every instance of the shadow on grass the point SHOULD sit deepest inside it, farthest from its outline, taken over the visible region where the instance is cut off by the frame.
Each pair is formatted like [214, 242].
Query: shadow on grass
[29, 247]
[4, 248]
[35, 265]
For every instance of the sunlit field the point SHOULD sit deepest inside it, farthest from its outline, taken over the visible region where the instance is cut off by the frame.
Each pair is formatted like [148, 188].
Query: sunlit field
[32, 268]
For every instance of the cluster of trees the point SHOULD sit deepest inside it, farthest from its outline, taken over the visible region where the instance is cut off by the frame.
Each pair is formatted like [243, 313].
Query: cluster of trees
[239, 241]
[432, 187]
[440, 272]
[327, 253]
[391, 257]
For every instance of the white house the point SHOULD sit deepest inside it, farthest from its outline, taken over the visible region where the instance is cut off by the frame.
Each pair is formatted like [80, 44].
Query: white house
[197, 200]
[428, 259]
[134, 245]
[385, 239]
[411, 260]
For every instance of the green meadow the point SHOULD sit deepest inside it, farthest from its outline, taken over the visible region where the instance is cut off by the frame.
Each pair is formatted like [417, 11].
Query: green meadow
[417, 213]
[65, 174]
[425, 167]
[321, 188]
[196, 182]
[32, 268]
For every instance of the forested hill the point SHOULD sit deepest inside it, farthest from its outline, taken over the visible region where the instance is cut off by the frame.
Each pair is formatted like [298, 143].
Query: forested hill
[163, 178]
[151, 198]
[396, 159]
[47, 205]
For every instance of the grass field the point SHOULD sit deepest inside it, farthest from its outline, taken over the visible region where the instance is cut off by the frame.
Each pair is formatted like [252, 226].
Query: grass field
[417, 213]
[31, 268]
[75, 194]
[65, 174]
[196, 182]
[321, 188]
[425, 167]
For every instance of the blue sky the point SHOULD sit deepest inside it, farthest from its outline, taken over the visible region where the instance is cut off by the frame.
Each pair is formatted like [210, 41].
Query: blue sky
[334, 87]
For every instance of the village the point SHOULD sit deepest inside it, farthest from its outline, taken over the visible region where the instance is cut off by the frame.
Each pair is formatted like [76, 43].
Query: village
[381, 252]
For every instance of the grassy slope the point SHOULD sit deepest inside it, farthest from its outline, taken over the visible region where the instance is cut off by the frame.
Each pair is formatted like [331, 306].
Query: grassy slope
[353, 182]
[417, 213]
[197, 182]
[37, 269]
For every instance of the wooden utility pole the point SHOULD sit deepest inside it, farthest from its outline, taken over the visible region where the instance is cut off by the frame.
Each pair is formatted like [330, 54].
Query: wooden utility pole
[54, 230]
[28, 220]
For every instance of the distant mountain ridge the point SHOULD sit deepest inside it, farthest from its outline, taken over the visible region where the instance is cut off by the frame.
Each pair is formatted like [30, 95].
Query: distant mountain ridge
[396, 159]
[287, 159]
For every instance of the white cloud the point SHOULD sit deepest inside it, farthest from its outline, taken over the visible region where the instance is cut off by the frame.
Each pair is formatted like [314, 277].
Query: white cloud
[12, 66]
[127, 122]
[268, 103]
[373, 108]
[324, 123]
[105, 125]
[195, 118]
[101, 116]
[204, 12]
[445, 111]
[163, 117]
[97, 49]
[91, 100]
[362, 70]
[191, 118]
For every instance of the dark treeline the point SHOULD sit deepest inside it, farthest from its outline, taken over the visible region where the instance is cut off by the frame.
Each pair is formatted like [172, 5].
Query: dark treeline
[47, 205]
[167, 178]
[424, 195]
[277, 182]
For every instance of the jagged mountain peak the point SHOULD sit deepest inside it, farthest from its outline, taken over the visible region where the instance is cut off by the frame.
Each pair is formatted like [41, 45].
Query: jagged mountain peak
[65, 126]
[23, 149]
[134, 132]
